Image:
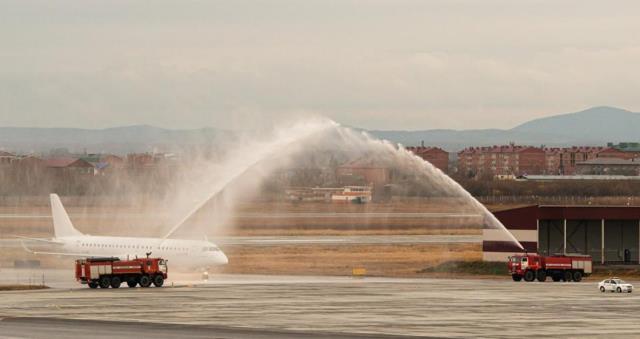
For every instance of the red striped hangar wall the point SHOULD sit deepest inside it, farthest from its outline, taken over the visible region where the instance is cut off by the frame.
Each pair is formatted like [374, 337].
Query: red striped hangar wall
[610, 234]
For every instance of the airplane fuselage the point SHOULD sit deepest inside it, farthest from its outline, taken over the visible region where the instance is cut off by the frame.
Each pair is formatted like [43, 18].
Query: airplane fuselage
[182, 254]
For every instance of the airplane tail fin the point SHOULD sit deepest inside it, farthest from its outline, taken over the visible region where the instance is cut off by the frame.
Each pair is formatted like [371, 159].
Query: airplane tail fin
[62, 225]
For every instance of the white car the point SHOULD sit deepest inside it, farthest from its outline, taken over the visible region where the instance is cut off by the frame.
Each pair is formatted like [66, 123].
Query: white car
[615, 285]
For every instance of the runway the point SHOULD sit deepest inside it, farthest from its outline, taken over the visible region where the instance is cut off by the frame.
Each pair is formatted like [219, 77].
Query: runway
[48, 328]
[453, 308]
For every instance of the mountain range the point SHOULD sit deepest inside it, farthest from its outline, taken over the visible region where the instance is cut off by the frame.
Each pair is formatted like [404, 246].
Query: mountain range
[594, 126]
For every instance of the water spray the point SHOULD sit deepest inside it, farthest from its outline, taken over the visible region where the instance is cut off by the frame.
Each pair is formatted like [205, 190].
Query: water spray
[298, 139]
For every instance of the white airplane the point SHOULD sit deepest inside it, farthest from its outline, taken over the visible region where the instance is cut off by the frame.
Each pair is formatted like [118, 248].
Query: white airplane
[181, 254]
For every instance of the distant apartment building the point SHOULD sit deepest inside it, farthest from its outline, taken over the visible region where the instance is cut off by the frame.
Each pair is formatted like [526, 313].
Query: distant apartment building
[434, 155]
[623, 150]
[501, 160]
[563, 160]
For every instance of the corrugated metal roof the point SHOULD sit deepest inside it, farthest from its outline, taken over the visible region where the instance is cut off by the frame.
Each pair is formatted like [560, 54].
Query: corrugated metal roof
[66, 162]
[525, 218]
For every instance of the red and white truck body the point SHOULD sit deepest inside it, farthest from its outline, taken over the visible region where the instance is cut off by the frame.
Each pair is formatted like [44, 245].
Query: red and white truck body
[530, 266]
[105, 272]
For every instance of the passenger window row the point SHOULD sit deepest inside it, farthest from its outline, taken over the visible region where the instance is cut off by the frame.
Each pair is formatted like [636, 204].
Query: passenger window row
[164, 248]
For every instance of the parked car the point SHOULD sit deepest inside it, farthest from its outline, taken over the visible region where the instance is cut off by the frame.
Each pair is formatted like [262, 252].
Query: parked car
[615, 285]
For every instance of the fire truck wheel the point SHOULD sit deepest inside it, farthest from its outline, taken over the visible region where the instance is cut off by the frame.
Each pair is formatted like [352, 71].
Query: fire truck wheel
[542, 276]
[132, 282]
[104, 282]
[568, 276]
[516, 277]
[93, 284]
[145, 281]
[529, 276]
[158, 280]
[577, 276]
[115, 282]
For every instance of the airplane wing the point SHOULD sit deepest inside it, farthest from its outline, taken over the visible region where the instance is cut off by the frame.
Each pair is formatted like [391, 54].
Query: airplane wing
[26, 248]
[69, 254]
[77, 255]
[48, 241]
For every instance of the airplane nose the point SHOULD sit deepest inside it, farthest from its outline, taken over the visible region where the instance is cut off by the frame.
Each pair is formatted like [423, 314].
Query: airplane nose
[222, 258]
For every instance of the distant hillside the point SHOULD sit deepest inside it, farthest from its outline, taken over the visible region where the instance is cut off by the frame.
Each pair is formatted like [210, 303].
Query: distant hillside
[617, 123]
[119, 140]
[594, 126]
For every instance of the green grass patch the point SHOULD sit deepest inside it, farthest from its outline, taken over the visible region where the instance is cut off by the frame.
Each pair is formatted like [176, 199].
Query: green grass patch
[469, 267]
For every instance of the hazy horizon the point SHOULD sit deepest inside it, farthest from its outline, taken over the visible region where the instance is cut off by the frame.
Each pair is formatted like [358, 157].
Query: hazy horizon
[240, 129]
[384, 65]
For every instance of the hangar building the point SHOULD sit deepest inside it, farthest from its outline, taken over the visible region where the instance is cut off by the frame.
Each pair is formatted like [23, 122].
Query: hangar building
[611, 235]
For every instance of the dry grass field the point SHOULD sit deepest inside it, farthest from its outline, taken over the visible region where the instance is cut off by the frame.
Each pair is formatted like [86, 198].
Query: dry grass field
[21, 287]
[379, 260]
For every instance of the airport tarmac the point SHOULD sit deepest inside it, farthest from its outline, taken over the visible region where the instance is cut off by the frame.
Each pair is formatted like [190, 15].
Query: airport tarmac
[459, 308]
[49, 328]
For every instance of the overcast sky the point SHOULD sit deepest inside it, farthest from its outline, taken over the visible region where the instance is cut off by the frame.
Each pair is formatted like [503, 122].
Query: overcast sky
[374, 64]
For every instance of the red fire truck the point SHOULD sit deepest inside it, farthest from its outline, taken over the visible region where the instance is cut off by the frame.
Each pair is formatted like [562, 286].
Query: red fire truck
[559, 267]
[105, 272]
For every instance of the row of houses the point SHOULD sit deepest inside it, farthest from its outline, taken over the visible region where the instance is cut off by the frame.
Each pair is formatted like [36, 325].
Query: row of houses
[528, 160]
[84, 164]
[503, 160]
[516, 160]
